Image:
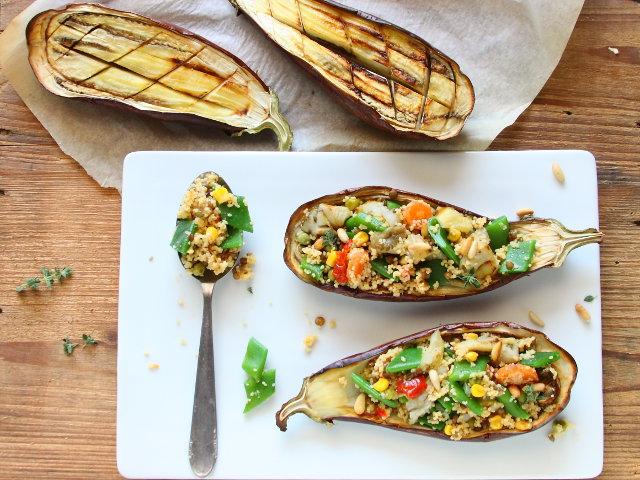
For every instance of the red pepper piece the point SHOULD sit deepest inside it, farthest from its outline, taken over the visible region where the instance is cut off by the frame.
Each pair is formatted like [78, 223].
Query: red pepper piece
[412, 387]
[342, 262]
[381, 412]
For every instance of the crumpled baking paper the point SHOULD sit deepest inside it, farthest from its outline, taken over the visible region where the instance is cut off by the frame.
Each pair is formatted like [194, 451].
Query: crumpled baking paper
[507, 47]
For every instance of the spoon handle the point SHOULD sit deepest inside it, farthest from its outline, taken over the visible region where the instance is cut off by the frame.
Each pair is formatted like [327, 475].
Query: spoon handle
[203, 445]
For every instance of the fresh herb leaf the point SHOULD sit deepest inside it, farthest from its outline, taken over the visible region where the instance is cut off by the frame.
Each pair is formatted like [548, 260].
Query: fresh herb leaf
[68, 346]
[330, 240]
[32, 283]
[62, 273]
[88, 340]
[589, 298]
[470, 279]
[529, 395]
[250, 290]
[49, 277]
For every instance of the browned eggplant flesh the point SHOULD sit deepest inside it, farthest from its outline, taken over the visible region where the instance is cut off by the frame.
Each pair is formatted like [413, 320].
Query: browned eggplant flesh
[381, 243]
[96, 53]
[388, 77]
[461, 382]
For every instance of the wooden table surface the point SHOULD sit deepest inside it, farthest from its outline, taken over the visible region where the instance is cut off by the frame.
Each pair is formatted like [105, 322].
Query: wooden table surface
[57, 413]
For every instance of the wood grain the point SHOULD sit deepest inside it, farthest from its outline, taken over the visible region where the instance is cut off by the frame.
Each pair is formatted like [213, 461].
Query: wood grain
[57, 413]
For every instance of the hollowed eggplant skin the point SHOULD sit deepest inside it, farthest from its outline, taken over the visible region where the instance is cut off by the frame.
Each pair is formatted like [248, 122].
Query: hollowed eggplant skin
[343, 408]
[368, 114]
[570, 240]
[37, 57]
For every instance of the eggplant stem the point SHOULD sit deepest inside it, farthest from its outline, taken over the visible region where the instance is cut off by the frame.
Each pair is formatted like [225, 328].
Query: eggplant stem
[298, 404]
[276, 122]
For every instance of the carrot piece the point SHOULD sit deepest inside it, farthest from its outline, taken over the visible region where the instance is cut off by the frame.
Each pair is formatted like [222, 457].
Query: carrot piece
[416, 210]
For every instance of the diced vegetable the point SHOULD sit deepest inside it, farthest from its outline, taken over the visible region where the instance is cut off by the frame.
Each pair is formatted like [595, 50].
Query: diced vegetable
[412, 387]
[424, 421]
[330, 241]
[439, 236]
[541, 359]
[437, 272]
[407, 359]
[315, 271]
[498, 231]
[464, 370]
[352, 203]
[255, 359]
[415, 211]
[392, 205]
[181, 240]
[303, 238]
[519, 257]
[233, 240]
[237, 217]
[446, 403]
[364, 221]
[367, 388]
[379, 265]
[459, 395]
[450, 218]
[259, 391]
[512, 406]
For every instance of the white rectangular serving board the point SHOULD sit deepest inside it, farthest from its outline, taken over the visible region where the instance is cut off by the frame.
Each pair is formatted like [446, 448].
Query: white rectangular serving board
[160, 307]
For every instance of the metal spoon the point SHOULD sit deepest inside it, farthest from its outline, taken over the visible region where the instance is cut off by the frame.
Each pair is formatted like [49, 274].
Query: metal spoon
[203, 443]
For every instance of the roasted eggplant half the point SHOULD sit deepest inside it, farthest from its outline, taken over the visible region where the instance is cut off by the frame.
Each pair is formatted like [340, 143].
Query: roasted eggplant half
[385, 75]
[107, 56]
[471, 381]
[379, 243]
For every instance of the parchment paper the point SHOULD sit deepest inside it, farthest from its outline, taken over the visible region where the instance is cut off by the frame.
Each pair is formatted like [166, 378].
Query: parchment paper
[507, 47]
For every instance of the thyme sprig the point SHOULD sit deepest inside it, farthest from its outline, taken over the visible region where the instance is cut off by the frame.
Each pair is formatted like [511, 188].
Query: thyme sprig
[470, 279]
[49, 277]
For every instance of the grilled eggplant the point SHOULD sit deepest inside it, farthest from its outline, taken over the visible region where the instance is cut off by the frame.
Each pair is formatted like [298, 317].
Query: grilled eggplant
[379, 243]
[472, 381]
[388, 77]
[127, 60]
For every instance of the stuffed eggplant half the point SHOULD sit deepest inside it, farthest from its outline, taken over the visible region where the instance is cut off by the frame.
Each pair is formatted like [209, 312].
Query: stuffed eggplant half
[126, 60]
[472, 381]
[381, 243]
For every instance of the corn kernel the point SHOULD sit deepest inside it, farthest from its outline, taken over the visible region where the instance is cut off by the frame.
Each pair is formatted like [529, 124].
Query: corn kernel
[332, 256]
[381, 385]
[522, 425]
[471, 356]
[495, 422]
[470, 336]
[454, 234]
[360, 238]
[477, 390]
[448, 429]
[212, 233]
[221, 194]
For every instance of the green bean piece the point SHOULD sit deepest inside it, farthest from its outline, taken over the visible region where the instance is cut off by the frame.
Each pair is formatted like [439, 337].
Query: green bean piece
[464, 370]
[367, 388]
[520, 256]
[314, 271]
[255, 359]
[392, 205]
[424, 422]
[439, 236]
[498, 231]
[512, 407]
[458, 394]
[366, 222]
[237, 217]
[233, 240]
[407, 359]
[181, 240]
[379, 265]
[437, 272]
[541, 359]
[258, 391]
[446, 403]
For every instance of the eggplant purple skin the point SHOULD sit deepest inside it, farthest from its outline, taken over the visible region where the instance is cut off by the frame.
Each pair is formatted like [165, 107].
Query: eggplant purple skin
[163, 116]
[350, 292]
[444, 329]
[360, 110]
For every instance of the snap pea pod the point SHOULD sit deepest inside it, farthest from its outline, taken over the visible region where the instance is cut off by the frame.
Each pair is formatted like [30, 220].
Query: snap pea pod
[391, 205]
[254, 359]
[498, 231]
[424, 422]
[234, 239]
[379, 265]
[463, 370]
[181, 240]
[446, 403]
[407, 359]
[315, 271]
[458, 394]
[366, 387]
[541, 359]
[258, 391]
[520, 256]
[364, 221]
[439, 236]
[237, 216]
[512, 407]
[437, 272]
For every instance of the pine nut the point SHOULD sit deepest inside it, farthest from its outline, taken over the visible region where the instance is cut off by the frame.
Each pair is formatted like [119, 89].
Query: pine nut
[535, 319]
[342, 235]
[514, 390]
[318, 244]
[557, 172]
[496, 351]
[435, 379]
[538, 387]
[360, 404]
[466, 245]
[524, 212]
[473, 249]
[583, 313]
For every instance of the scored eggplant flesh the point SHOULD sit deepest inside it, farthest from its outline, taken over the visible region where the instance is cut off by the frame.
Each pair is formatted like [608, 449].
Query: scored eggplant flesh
[96, 53]
[330, 394]
[553, 243]
[385, 75]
